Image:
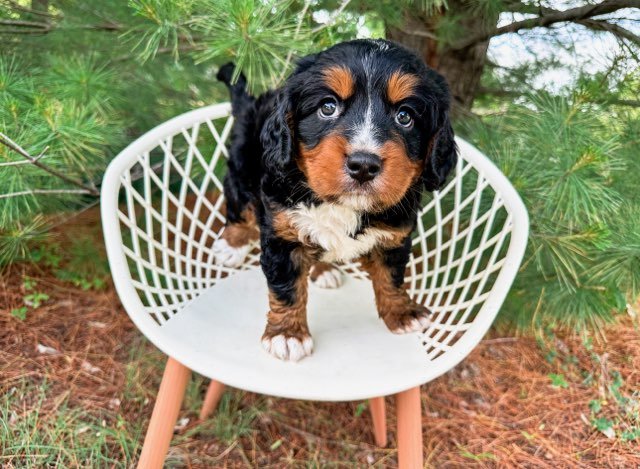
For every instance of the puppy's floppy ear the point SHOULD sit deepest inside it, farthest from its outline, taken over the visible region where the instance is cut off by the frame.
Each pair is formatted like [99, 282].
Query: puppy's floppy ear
[442, 156]
[277, 133]
[276, 137]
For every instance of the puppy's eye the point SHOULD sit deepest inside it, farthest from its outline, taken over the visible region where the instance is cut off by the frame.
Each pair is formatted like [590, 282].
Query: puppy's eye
[328, 108]
[403, 118]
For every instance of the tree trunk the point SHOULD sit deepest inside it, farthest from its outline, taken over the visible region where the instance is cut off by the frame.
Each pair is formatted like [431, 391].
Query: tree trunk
[462, 68]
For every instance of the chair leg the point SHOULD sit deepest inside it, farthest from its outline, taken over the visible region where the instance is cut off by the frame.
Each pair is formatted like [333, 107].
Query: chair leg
[408, 408]
[211, 399]
[164, 416]
[378, 416]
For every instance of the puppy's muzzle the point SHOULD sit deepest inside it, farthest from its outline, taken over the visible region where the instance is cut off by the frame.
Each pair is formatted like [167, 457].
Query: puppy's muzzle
[363, 166]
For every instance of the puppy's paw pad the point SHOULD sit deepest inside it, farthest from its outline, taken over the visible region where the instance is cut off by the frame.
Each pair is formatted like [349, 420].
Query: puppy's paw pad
[288, 348]
[229, 256]
[331, 278]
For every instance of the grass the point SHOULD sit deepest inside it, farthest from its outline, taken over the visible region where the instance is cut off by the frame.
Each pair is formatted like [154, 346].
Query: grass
[35, 432]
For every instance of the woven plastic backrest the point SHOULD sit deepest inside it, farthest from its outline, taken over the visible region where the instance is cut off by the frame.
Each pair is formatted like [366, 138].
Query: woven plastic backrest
[162, 210]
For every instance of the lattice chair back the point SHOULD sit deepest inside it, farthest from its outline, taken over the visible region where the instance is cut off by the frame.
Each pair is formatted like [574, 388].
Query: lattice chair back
[162, 210]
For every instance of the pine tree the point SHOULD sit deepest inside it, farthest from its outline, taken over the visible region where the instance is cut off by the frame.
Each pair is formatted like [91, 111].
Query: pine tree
[78, 81]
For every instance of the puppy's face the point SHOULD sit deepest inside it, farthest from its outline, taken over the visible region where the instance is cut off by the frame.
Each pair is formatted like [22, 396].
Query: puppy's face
[366, 117]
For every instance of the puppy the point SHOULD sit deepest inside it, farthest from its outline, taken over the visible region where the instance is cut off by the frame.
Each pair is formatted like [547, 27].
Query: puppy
[331, 168]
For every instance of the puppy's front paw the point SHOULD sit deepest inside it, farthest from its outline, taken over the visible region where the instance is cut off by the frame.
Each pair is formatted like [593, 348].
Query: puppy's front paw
[229, 256]
[325, 275]
[414, 318]
[288, 348]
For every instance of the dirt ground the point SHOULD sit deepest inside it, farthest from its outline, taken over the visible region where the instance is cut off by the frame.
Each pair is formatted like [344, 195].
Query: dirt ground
[76, 363]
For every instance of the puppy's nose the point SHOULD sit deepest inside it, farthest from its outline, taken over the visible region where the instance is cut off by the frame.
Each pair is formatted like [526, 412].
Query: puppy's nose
[363, 166]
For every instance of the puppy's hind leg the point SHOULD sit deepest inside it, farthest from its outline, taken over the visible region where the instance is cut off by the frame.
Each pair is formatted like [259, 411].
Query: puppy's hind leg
[234, 244]
[241, 182]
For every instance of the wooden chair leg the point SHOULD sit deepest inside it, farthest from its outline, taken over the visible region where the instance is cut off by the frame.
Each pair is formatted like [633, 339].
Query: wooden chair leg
[379, 418]
[211, 399]
[408, 408]
[164, 416]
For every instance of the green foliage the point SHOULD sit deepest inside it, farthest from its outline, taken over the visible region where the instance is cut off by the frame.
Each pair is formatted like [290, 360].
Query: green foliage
[103, 73]
[32, 299]
[582, 262]
[168, 22]
[86, 266]
[360, 408]
[479, 457]
[16, 242]
[615, 412]
[258, 36]
[232, 419]
[558, 381]
[20, 313]
[620, 415]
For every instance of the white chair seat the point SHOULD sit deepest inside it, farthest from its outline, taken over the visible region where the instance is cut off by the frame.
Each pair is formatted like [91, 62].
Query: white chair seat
[355, 356]
[162, 212]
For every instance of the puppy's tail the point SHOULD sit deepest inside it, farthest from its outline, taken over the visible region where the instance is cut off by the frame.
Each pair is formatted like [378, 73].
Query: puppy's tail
[237, 90]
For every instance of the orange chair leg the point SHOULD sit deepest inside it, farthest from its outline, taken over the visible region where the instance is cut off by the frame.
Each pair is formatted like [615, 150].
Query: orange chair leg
[408, 408]
[211, 399]
[378, 416]
[164, 416]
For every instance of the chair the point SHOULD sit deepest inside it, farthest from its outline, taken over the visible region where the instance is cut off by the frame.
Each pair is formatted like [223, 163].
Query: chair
[162, 211]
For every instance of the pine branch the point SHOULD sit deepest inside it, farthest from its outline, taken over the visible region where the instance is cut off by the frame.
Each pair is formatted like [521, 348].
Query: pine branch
[549, 17]
[511, 94]
[417, 32]
[24, 23]
[615, 29]
[37, 27]
[625, 102]
[88, 189]
[46, 192]
[190, 47]
[285, 67]
[14, 163]
[23, 31]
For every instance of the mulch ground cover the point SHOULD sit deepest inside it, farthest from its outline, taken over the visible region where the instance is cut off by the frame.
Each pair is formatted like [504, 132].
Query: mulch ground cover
[514, 402]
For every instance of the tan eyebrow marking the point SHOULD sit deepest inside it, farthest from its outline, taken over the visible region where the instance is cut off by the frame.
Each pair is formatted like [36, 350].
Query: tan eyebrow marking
[401, 86]
[340, 80]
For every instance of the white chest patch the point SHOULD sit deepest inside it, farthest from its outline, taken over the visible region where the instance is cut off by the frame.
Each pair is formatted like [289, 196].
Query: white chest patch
[333, 228]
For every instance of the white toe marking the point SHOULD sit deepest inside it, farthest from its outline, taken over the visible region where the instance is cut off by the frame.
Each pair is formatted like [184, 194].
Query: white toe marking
[329, 279]
[229, 256]
[288, 348]
[307, 345]
[424, 321]
[416, 325]
[296, 351]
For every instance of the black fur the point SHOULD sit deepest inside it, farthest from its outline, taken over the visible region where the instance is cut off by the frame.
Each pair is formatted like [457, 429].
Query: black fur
[268, 130]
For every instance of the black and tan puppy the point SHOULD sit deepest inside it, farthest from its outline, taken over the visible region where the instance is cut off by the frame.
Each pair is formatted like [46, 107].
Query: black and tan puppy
[331, 168]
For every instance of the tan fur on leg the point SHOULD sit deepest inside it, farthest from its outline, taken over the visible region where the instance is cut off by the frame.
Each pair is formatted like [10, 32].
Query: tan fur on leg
[398, 311]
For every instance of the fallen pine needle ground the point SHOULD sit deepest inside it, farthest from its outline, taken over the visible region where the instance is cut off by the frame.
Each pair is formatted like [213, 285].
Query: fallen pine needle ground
[78, 382]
